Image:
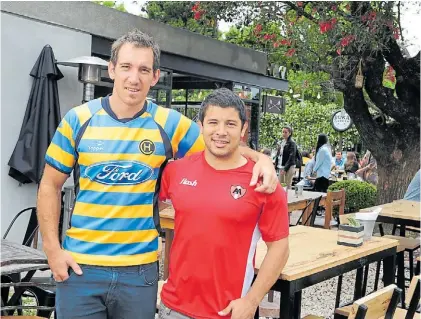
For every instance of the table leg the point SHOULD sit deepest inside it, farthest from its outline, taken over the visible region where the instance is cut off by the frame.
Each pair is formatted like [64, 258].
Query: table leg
[169, 236]
[290, 304]
[358, 293]
[402, 230]
[389, 268]
[19, 291]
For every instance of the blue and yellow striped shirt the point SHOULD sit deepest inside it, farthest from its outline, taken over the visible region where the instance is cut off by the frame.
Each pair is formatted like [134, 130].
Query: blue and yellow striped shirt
[117, 165]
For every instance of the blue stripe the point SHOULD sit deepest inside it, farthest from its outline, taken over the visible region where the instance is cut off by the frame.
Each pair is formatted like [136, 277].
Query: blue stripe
[189, 139]
[112, 224]
[153, 177]
[89, 248]
[172, 123]
[63, 142]
[94, 106]
[114, 198]
[57, 165]
[107, 121]
[152, 107]
[116, 147]
[72, 119]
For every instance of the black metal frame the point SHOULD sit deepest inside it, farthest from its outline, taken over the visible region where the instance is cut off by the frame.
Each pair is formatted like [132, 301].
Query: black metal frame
[291, 291]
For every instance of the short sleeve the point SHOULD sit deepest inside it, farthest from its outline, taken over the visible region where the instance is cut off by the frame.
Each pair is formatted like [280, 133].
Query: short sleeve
[186, 138]
[274, 222]
[61, 152]
[164, 193]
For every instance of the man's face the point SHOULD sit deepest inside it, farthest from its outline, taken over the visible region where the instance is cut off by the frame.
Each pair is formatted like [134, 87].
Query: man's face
[222, 131]
[285, 133]
[338, 156]
[133, 74]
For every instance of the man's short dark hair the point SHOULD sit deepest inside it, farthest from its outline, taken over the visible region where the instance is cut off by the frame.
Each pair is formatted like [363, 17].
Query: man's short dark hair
[289, 128]
[224, 98]
[140, 40]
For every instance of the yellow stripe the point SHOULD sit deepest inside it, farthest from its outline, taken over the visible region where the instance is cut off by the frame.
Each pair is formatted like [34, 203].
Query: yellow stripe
[122, 134]
[67, 131]
[180, 132]
[112, 237]
[61, 156]
[110, 211]
[83, 113]
[102, 112]
[161, 116]
[146, 187]
[101, 260]
[198, 146]
[153, 161]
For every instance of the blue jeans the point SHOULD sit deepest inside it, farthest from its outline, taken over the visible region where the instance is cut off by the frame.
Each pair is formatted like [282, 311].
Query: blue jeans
[109, 293]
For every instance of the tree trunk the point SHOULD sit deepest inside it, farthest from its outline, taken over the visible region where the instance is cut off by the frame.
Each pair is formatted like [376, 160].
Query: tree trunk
[395, 176]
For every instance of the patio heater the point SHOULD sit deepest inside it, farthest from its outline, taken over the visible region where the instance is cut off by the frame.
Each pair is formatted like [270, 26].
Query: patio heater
[89, 73]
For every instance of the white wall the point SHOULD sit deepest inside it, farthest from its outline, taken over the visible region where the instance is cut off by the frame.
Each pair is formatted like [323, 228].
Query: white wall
[21, 42]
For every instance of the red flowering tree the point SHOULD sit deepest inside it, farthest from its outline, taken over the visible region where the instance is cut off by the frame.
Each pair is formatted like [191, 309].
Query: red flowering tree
[338, 38]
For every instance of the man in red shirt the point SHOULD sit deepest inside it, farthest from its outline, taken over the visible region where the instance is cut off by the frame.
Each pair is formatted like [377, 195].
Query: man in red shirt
[219, 219]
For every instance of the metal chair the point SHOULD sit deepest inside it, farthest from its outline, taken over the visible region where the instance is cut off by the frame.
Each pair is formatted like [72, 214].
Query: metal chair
[313, 205]
[42, 296]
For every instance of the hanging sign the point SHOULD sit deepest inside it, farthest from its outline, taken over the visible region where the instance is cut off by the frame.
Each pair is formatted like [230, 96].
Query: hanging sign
[341, 121]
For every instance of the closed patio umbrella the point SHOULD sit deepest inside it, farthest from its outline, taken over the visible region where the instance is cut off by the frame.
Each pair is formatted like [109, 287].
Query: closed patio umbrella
[41, 119]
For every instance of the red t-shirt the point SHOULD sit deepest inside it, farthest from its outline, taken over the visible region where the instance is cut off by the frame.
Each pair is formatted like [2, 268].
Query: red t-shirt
[219, 219]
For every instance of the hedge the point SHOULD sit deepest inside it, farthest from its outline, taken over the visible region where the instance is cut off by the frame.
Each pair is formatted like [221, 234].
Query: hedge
[358, 194]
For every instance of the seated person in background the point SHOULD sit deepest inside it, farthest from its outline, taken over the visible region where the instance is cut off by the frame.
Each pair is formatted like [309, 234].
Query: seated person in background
[306, 157]
[339, 161]
[368, 170]
[351, 165]
[308, 172]
[413, 191]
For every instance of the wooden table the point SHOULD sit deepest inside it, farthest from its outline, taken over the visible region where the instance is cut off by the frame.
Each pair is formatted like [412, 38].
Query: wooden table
[401, 212]
[16, 259]
[315, 256]
[294, 203]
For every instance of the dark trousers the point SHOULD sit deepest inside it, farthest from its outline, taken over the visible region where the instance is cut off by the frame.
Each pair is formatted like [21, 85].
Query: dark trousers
[321, 184]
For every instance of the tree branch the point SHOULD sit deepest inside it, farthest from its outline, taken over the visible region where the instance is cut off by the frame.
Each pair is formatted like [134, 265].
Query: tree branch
[399, 20]
[383, 97]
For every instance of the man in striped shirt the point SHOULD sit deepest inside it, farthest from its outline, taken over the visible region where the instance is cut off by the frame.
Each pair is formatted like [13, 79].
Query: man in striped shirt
[116, 147]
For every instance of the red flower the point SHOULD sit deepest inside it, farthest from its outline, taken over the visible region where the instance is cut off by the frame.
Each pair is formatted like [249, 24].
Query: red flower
[276, 44]
[347, 40]
[198, 15]
[285, 42]
[195, 8]
[339, 51]
[258, 28]
[325, 26]
[300, 3]
[334, 8]
[290, 52]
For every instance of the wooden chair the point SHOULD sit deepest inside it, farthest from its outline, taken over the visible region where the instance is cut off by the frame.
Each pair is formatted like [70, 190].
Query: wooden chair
[409, 245]
[334, 199]
[412, 299]
[380, 304]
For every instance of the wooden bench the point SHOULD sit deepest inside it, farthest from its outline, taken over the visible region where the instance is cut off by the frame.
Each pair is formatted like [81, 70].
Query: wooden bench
[412, 299]
[373, 306]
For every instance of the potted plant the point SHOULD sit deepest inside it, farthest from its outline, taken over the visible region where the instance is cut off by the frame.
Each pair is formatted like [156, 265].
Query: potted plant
[351, 233]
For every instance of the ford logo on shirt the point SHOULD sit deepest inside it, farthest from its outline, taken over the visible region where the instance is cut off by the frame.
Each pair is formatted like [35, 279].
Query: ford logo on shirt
[119, 172]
